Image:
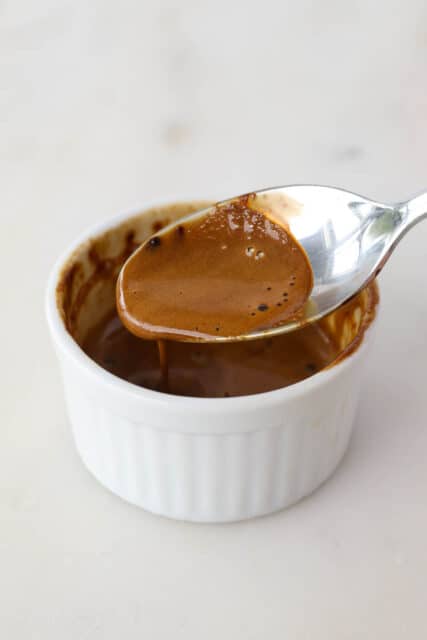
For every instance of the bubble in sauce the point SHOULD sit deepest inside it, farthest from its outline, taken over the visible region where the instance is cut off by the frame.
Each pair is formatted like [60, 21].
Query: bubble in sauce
[154, 242]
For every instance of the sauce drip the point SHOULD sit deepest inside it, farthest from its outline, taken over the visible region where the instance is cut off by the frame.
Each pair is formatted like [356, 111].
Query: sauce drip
[230, 272]
[212, 370]
[164, 365]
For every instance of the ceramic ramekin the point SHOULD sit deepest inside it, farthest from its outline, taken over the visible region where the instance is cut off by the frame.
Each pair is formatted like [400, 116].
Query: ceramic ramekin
[205, 460]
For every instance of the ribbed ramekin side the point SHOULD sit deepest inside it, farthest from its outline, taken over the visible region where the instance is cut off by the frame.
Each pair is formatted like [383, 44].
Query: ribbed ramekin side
[213, 477]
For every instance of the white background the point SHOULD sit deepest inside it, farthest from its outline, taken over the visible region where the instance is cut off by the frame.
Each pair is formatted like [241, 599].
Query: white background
[104, 105]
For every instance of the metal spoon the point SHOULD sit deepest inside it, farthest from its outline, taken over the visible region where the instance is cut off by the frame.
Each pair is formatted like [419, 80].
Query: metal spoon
[347, 238]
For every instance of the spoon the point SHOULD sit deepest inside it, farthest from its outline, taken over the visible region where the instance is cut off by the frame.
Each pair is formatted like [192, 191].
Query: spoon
[347, 238]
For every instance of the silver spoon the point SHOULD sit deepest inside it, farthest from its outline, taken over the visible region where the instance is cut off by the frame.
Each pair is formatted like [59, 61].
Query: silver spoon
[347, 238]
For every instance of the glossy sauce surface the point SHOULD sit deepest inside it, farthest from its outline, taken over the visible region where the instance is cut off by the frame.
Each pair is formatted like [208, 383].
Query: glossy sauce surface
[230, 272]
[211, 370]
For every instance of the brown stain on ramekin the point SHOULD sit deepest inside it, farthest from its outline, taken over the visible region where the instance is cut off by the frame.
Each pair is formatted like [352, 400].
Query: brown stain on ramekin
[74, 285]
[159, 225]
[346, 315]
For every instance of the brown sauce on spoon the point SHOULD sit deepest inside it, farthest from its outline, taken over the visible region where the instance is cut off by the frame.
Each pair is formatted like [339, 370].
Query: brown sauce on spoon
[231, 272]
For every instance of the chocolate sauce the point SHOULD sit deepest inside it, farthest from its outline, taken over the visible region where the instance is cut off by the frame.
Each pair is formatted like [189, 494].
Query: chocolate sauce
[230, 272]
[211, 370]
[85, 298]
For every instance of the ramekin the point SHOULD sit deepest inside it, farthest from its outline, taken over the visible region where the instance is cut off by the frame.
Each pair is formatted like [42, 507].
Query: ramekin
[201, 459]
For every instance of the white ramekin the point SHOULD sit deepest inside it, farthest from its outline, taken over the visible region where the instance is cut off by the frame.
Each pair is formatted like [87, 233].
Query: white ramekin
[205, 460]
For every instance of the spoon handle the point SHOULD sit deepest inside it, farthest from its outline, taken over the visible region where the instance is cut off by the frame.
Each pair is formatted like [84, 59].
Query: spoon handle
[392, 223]
[413, 211]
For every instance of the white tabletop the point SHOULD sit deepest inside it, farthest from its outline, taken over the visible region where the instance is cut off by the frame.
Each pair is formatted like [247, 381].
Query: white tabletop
[104, 105]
